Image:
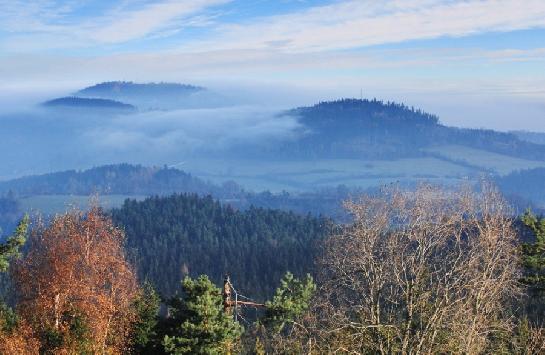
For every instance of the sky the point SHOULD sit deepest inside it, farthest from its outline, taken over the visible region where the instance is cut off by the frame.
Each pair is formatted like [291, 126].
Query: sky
[475, 63]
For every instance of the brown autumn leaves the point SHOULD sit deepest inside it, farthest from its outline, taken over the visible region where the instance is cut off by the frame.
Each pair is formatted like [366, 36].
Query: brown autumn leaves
[75, 269]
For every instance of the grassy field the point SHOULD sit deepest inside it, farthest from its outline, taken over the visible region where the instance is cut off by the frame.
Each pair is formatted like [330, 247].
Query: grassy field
[311, 174]
[308, 175]
[501, 164]
[52, 204]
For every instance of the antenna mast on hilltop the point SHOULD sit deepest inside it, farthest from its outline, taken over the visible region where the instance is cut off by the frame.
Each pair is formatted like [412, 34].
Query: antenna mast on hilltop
[361, 94]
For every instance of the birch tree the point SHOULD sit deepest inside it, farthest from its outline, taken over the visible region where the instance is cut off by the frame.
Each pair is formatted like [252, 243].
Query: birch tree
[75, 286]
[421, 272]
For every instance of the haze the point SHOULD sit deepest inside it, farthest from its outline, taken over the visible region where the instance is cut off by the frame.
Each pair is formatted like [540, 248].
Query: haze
[473, 63]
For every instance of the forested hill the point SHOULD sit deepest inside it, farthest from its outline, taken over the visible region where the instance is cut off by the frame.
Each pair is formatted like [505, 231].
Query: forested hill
[187, 234]
[110, 179]
[382, 130]
[139, 92]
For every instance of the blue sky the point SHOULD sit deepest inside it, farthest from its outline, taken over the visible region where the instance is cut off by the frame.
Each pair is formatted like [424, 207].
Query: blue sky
[474, 62]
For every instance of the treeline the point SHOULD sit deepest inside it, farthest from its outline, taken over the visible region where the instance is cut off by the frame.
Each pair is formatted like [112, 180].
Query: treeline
[421, 271]
[523, 188]
[187, 235]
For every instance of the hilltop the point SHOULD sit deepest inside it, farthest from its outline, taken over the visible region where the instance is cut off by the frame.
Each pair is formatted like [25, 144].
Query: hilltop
[112, 89]
[151, 95]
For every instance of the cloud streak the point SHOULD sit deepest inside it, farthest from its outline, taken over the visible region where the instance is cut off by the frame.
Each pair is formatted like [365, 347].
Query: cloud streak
[169, 15]
[339, 25]
[46, 24]
[358, 23]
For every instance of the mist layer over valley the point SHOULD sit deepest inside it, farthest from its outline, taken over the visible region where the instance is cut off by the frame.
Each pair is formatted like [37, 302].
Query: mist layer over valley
[157, 129]
[307, 158]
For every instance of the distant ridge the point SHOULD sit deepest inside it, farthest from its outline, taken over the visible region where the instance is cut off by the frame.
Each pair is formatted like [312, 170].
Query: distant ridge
[109, 179]
[128, 88]
[78, 102]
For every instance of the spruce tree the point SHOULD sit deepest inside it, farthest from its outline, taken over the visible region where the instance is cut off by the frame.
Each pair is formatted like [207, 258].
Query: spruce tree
[533, 253]
[290, 301]
[533, 261]
[10, 248]
[144, 332]
[198, 323]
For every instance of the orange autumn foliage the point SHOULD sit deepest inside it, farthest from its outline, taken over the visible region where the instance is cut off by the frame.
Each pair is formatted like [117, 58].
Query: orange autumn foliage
[76, 274]
[21, 341]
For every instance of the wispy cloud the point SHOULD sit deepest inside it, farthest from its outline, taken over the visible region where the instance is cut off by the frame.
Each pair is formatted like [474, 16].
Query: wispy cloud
[46, 24]
[136, 24]
[361, 23]
[339, 25]
[19, 16]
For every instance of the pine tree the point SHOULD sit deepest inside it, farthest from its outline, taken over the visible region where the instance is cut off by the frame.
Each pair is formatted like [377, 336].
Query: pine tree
[9, 250]
[198, 323]
[11, 247]
[533, 254]
[16, 337]
[533, 261]
[290, 301]
[144, 332]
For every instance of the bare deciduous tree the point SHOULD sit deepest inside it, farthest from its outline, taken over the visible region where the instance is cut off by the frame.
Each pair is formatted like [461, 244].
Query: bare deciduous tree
[421, 272]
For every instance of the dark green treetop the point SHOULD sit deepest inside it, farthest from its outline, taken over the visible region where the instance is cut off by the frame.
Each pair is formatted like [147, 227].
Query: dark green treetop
[11, 248]
[533, 253]
[290, 301]
[144, 333]
[199, 324]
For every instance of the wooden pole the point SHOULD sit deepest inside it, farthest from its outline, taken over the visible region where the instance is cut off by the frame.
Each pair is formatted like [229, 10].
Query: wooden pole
[227, 302]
